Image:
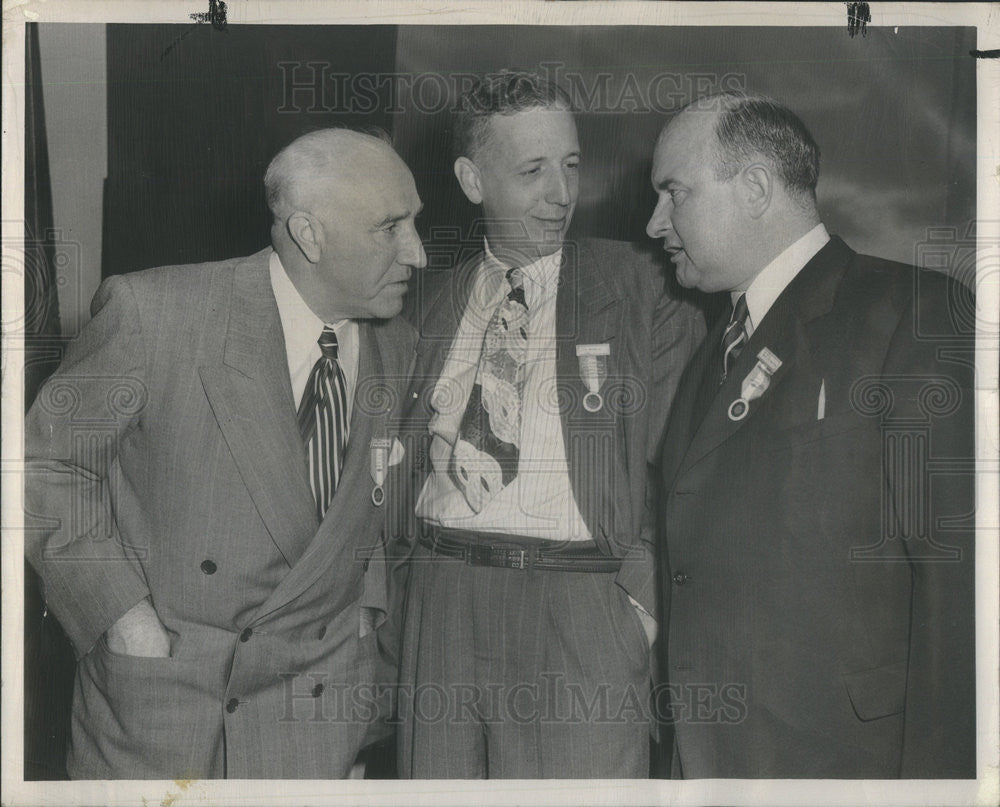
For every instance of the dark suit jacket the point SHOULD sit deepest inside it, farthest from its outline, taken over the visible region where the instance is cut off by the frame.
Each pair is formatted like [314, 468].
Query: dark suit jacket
[609, 292]
[164, 461]
[818, 573]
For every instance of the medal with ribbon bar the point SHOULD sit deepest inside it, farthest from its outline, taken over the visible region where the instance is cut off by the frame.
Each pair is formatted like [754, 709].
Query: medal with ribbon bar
[380, 447]
[594, 370]
[755, 384]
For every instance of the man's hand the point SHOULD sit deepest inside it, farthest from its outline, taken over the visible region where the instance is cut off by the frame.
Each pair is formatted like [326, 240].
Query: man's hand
[646, 619]
[648, 625]
[139, 632]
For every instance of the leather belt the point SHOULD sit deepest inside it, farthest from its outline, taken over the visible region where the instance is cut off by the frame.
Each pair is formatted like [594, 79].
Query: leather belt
[504, 552]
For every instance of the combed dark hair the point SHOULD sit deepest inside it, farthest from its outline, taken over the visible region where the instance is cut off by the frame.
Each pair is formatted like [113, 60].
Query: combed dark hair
[755, 125]
[503, 93]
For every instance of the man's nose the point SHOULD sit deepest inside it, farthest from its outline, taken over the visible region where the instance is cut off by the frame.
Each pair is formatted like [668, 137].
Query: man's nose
[558, 192]
[412, 253]
[659, 223]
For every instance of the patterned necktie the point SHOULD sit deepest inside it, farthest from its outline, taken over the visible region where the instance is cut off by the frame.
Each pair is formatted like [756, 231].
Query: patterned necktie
[735, 336]
[323, 424]
[487, 449]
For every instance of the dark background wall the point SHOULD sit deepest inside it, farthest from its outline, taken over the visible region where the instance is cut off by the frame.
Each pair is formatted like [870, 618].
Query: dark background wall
[194, 115]
[894, 114]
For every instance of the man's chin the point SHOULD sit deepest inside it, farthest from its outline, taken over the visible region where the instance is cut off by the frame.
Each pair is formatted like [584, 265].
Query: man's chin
[686, 275]
[389, 305]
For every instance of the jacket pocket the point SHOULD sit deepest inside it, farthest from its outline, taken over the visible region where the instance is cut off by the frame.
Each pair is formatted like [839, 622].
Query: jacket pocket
[878, 692]
[803, 433]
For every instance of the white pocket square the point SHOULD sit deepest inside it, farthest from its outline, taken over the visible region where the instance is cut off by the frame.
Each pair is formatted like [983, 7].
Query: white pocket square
[396, 453]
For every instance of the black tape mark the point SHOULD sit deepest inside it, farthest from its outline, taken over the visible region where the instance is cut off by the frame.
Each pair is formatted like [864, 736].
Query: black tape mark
[216, 15]
[858, 17]
[985, 54]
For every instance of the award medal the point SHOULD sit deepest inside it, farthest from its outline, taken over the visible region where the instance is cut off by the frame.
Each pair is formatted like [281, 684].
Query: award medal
[755, 384]
[380, 447]
[594, 369]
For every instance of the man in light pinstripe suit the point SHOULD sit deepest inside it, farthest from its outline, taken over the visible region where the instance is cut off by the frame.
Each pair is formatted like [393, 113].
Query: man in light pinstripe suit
[222, 627]
[527, 628]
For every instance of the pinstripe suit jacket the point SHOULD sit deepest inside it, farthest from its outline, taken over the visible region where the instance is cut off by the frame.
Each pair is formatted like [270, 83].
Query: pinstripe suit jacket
[609, 292]
[164, 461]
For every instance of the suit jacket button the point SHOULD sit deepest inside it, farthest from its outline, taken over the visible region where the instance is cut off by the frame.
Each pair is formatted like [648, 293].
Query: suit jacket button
[232, 705]
[208, 567]
[247, 633]
[317, 690]
[321, 633]
[680, 579]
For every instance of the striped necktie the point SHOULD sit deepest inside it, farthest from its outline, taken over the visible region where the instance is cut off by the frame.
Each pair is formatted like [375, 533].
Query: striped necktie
[323, 423]
[735, 336]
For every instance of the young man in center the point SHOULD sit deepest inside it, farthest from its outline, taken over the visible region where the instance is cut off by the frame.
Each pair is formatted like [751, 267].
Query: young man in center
[544, 377]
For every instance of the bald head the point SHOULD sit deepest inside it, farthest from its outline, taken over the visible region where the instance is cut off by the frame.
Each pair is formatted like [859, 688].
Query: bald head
[735, 178]
[755, 127]
[344, 206]
[325, 167]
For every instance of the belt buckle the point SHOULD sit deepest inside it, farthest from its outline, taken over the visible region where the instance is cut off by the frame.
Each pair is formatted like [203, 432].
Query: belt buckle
[502, 557]
[507, 558]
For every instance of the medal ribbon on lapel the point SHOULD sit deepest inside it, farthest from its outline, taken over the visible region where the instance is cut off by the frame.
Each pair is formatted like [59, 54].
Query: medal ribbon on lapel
[755, 384]
[594, 370]
[379, 450]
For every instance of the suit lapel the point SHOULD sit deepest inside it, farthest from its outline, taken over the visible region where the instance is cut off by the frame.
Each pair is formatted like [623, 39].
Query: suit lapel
[439, 326]
[686, 415]
[437, 332]
[785, 332]
[344, 531]
[251, 396]
[588, 312]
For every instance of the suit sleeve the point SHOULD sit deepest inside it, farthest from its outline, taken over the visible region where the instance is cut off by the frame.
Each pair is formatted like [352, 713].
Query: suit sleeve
[677, 330]
[399, 538]
[940, 715]
[73, 431]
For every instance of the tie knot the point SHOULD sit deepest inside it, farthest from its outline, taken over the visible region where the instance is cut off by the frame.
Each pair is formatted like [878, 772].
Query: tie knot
[516, 280]
[328, 343]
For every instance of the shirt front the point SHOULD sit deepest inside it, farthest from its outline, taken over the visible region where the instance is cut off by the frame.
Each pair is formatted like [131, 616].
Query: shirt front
[775, 277]
[302, 329]
[539, 502]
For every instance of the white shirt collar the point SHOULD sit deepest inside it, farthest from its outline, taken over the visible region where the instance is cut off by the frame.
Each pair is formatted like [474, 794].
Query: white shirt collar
[301, 325]
[541, 274]
[773, 278]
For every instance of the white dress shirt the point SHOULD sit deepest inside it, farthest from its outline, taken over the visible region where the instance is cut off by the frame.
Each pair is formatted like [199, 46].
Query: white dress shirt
[302, 329]
[773, 278]
[539, 501]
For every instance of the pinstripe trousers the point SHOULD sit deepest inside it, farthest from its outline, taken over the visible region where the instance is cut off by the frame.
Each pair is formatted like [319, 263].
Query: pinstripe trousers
[527, 674]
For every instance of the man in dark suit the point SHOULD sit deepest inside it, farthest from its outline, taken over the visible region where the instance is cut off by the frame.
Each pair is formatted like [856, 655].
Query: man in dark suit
[545, 371]
[204, 504]
[816, 558]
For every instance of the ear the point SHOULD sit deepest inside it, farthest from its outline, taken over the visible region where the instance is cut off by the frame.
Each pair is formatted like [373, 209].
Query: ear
[307, 233]
[758, 185]
[470, 179]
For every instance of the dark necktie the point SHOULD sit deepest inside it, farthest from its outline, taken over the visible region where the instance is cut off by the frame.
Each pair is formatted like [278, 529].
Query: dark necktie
[735, 336]
[487, 449]
[323, 423]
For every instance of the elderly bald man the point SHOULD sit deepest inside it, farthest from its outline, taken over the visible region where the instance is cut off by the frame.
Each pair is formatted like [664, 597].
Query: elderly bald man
[207, 477]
